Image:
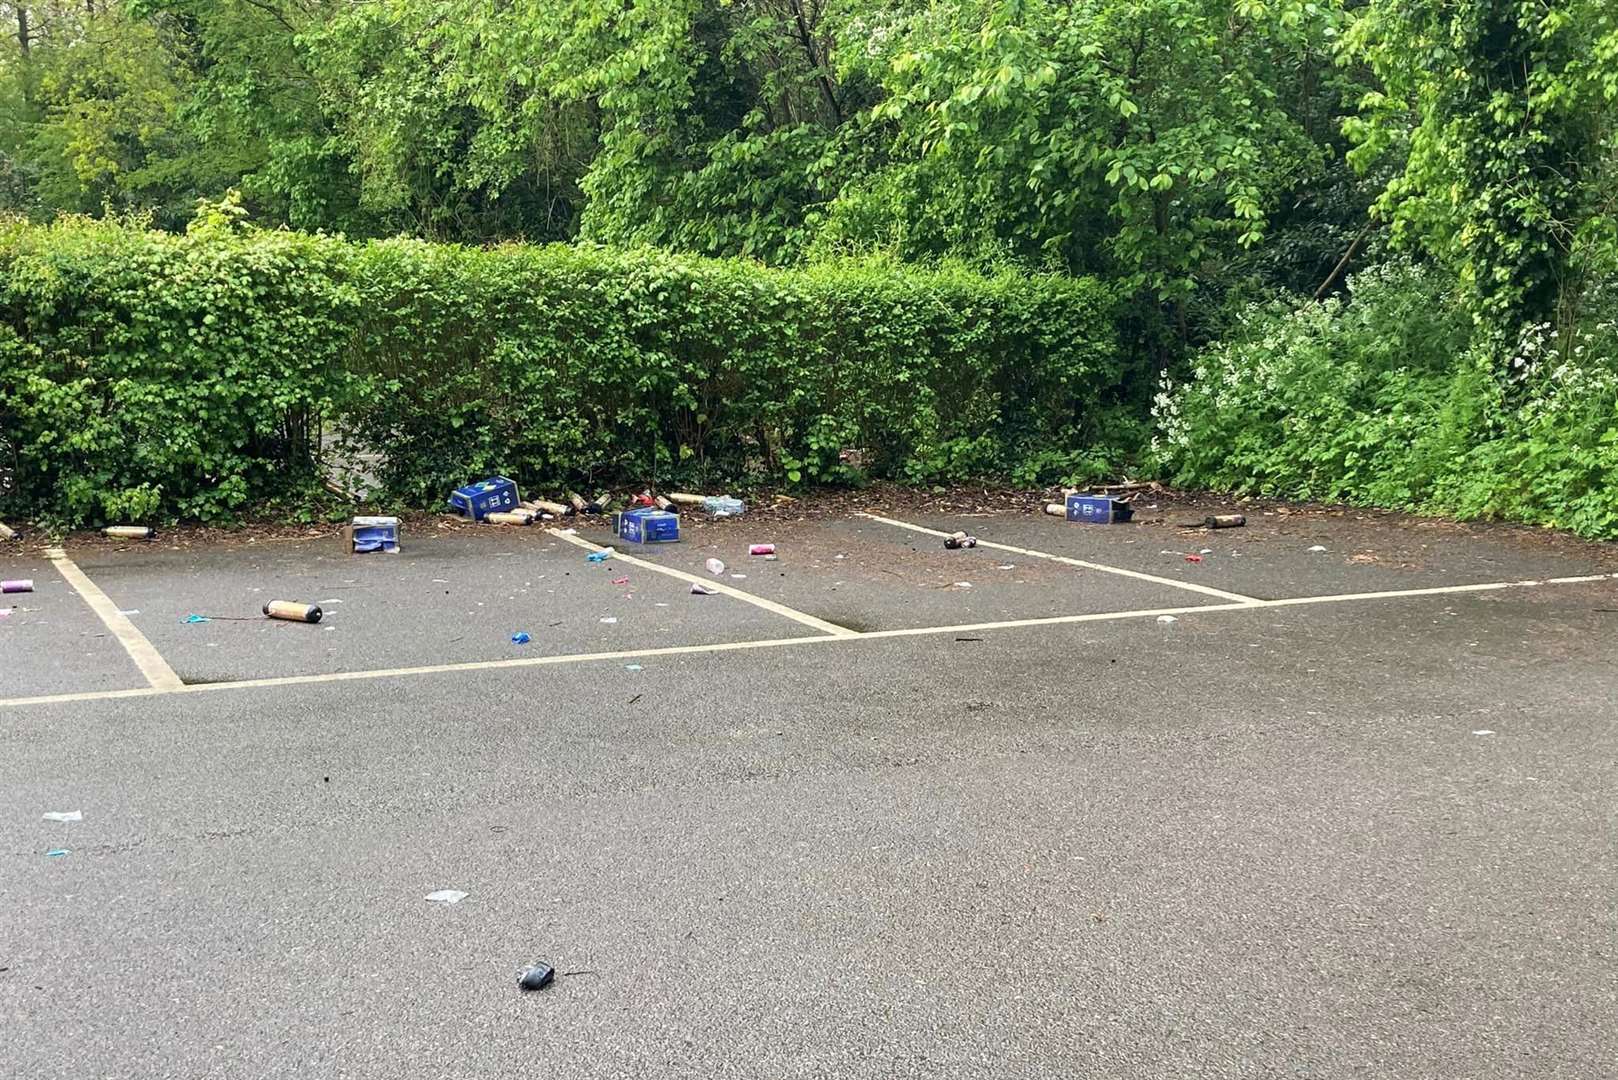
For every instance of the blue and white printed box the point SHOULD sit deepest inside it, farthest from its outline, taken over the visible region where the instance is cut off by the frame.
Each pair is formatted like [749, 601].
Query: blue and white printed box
[648, 527]
[369, 533]
[494, 495]
[1098, 509]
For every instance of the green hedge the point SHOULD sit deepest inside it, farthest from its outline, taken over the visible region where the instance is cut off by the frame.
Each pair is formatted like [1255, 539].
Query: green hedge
[146, 375]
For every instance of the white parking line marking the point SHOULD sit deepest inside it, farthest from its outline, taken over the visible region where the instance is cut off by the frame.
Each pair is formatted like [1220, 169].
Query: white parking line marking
[830, 629]
[429, 669]
[148, 659]
[1120, 571]
[734, 646]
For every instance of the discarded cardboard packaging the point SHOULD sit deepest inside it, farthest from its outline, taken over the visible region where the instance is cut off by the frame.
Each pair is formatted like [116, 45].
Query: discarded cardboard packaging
[369, 533]
[647, 526]
[494, 495]
[1098, 509]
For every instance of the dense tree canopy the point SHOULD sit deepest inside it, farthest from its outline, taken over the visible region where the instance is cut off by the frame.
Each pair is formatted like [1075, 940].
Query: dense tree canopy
[1194, 149]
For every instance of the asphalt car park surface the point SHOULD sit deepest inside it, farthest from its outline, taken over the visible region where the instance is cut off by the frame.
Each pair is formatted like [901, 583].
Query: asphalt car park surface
[1355, 836]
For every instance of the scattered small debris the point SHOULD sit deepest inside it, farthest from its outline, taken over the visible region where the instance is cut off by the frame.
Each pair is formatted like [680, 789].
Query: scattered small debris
[1006, 566]
[536, 976]
[632, 667]
[620, 581]
[63, 815]
[57, 853]
[197, 619]
[1193, 558]
[1318, 547]
[1483, 731]
[968, 639]
[445, 896]
[739, 577]
[609, 619]
[636, 698]
[129, 611]
[600, 556]
[699, 589]
[520, 638]
[962, 585]
[1166, 619]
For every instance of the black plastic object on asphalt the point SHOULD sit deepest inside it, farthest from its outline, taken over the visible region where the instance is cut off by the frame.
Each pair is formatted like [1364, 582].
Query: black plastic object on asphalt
[536, 976]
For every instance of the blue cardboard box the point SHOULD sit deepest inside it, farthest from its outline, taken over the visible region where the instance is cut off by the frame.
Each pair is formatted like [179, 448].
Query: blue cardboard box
[496, 494]
[1098, 509]
[648, 526]
[367, 534]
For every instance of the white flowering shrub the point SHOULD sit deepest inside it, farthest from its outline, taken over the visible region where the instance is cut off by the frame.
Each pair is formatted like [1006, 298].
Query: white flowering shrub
[1392, 397]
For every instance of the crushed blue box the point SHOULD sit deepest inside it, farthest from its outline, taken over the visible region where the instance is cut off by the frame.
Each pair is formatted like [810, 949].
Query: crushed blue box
[1098, 509]
[367, 534]
[496, 494]
[647, 526]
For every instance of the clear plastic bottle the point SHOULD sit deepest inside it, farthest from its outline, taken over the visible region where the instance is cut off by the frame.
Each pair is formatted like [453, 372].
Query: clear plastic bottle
[723, 506]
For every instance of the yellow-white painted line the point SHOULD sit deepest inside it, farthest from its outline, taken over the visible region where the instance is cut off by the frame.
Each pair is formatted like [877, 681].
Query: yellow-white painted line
[1436, 590]
[1054, 620]
[151, 663]
[772, 643]
[1190, 586]
[831, 629]
[426, 669]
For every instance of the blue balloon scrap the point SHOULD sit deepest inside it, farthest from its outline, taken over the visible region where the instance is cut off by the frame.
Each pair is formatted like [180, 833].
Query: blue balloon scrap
[520, 638]
[197, 618]
[56, 853]
[600, 556]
